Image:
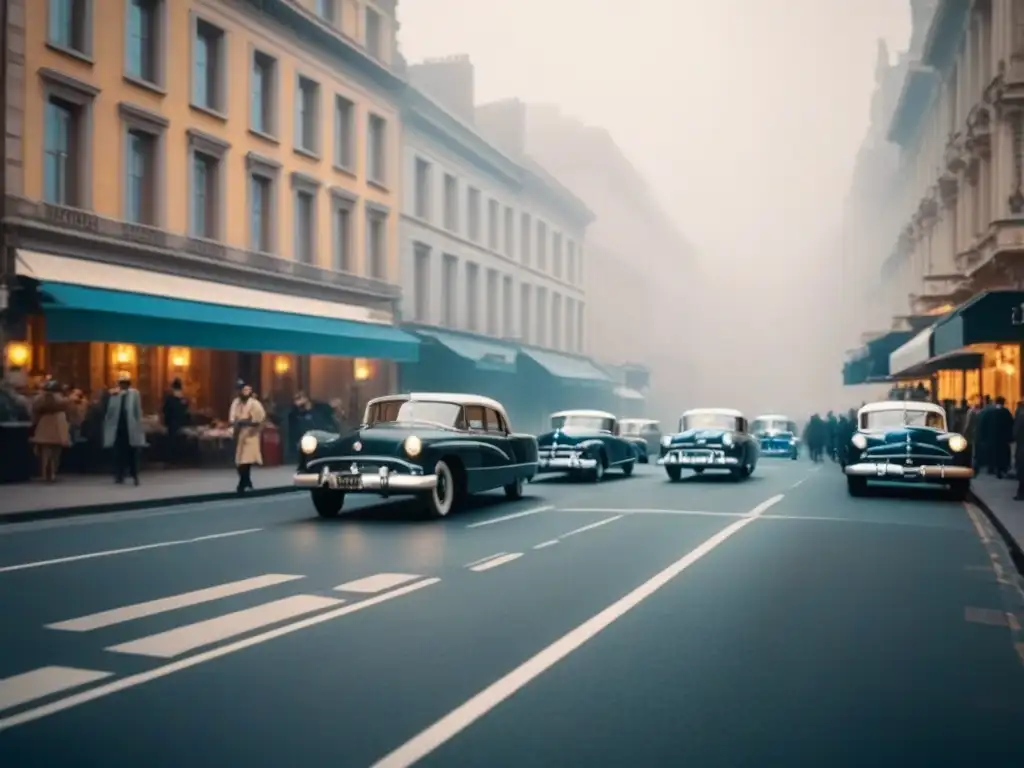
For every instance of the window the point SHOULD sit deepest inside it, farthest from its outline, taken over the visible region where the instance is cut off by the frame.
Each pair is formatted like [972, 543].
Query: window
[376, 243]
[206, 212]
[144, 47]
[579, 326]
[449, 286]
[307, 116]
[542, 317]
[421, 283]
[141, 182]
[525, 236]
[62, 159]
[208, 70]
[571, 266]
[374, 33]
[524, 313]
[304, 223]
[473, 297]
[492, 421]
[70, 25]
[451, 203]
[542, 246]
[507, 313]
[492, 224]
[376, 149]
[263, 174]
[326, 10]
[342, 206]
[344, 133]
[510, 224]
[556, 255]
[570, 324]
[263, 99]
[492, 302]
[473, 213]
[421, 204]
[556, 321]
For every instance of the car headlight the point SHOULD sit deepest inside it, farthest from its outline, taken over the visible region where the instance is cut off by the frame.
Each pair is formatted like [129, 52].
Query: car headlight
[413, 445]
[727, 439]
[957, 443]
[859, 442]
[308, 444]
[666, 440]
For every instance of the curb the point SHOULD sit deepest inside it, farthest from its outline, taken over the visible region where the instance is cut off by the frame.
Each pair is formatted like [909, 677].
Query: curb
[57, 513]
[1016, 551]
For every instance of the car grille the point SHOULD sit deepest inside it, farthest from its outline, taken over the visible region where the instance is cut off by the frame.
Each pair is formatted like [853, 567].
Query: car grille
[776, 445]
[558, 451]
[902, 451]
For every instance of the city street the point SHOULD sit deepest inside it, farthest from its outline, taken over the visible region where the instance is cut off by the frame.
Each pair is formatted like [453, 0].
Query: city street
[636, 623]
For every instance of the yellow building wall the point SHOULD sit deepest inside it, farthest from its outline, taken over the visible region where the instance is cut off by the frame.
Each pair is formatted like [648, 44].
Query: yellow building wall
[242, 33]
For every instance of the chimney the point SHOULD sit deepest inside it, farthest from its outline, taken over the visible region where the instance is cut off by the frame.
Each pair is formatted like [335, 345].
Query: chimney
[450, 81]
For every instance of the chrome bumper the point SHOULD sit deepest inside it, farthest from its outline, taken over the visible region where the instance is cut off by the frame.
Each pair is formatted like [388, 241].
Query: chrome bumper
[883, 471]
[565, 464]
[378, 482]
[778, 451]
[678, 459]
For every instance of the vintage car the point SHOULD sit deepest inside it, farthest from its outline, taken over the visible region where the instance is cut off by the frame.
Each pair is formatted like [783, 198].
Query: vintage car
[440, 447]
[710, 438]
[644, 434]
[907, 441]
[776, 435]
[584, 444]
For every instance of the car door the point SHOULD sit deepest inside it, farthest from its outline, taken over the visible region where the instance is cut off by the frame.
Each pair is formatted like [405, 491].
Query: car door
[506, 470]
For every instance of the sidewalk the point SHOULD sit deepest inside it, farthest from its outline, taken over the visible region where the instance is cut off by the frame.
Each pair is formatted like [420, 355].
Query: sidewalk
[996, 497]
[89, 494]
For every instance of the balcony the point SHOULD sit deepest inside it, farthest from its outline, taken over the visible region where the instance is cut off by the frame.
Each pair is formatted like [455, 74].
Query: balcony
[978, 139]
[954, 158]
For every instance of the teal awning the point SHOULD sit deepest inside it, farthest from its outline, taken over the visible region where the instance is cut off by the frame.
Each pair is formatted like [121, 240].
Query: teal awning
[566, 366]
[625, 393]
[485, 354]
[79, 313]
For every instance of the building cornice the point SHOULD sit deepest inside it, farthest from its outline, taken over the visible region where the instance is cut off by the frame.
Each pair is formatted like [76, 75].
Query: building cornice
[946, 30]
[915, 97]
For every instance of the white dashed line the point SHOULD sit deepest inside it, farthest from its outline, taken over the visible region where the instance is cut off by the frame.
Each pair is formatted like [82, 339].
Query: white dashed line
[495, 562]
[377, 583]
[546, 544]
[513, 516]
[591, 527]
[484, 559]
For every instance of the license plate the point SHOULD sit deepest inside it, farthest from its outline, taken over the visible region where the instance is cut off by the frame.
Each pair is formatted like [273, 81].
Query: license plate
[698, 459]
[347, 482]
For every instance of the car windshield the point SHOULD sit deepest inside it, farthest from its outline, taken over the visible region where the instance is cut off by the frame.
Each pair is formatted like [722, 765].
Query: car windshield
[708, 421]
[635, 427]
[899, 417]
[774, 425]
[578, 421]
[424, 411]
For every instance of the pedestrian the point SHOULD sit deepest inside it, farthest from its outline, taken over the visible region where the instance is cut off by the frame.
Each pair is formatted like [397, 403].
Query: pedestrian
[1018, 439]
[246, 416]
[51, 434]
[984, 437]
[1002, 436]
[122, 429]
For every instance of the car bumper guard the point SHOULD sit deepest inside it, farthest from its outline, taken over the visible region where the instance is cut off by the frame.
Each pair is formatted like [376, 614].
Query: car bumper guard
[884, 471]
[681, 459]
[565, 464]
[383, 481]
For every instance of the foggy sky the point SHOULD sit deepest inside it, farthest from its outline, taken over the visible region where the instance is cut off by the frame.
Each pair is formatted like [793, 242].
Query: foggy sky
[744, 115]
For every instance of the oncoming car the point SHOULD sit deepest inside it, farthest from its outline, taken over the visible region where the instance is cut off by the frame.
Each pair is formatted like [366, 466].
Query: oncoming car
[584, 444]
[710, 438]
[644, 434]
[438, 446]
[907, 441]
[776, 436]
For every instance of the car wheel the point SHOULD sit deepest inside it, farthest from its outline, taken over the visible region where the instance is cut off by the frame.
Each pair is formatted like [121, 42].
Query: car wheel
[795, 456]
[674, 473]
[857, 486]
[441, 499]
[698, 470]
[627, 468]
[326, 502]
[645, 459]
[514, 491]
[958, 489]
[597, 473]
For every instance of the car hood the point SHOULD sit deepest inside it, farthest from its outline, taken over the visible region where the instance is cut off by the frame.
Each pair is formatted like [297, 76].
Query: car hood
[692, 435]
[382, 440]
[570, 436]
[907, 434]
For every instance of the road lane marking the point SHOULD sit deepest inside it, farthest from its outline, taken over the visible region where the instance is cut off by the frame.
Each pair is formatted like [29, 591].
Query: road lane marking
[131, 681]
[484, 559]
[174, 602]
[546, 544]
[180, 640]
[610, 510]
[371, 585]
[975, 517]
[466, 714]
[591, 527]
[798, 483]
[124, 550]
[496, 561]
[44, 681]
[513, 516]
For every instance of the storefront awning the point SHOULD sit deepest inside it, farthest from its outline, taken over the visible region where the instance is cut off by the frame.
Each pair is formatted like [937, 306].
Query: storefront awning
[873, 363]
[913, 353]
[566, 366]
[81, 313]
[485, 354]
[625, 393]
[991, 317]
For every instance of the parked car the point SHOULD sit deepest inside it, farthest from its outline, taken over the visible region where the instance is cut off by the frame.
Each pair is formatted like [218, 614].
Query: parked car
[644, 434]
[584, 444]
[710, 438]
[438, 446]
[907, 441]
[776, 436]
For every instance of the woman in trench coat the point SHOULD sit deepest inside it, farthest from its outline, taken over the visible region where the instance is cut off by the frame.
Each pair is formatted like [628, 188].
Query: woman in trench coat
[51, 435]
[247, 416]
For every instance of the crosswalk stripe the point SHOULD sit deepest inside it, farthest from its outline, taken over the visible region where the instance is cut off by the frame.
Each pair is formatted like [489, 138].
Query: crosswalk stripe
[376, 583]
[44, 681]
[174, 642]
[185, 600]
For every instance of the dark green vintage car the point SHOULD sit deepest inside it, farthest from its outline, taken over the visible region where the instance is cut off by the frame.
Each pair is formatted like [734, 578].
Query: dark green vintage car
[907, 441]
[710, 438]
[584, 444]
[440, 447]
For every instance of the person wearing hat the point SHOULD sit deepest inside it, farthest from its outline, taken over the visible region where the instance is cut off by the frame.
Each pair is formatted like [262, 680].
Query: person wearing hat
[51, 434]
[122, 428]
[246, 416]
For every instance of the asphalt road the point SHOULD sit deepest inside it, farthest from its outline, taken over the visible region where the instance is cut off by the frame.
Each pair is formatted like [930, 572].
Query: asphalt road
[636, 623]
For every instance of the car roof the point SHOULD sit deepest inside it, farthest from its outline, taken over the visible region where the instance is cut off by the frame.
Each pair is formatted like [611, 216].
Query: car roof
[456, 398]
[899, 405]
[773, 417]
[638, 421]
[584, 412]
[714, 411]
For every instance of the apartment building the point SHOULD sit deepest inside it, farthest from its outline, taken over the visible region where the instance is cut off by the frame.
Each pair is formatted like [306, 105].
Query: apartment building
[207, 190]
